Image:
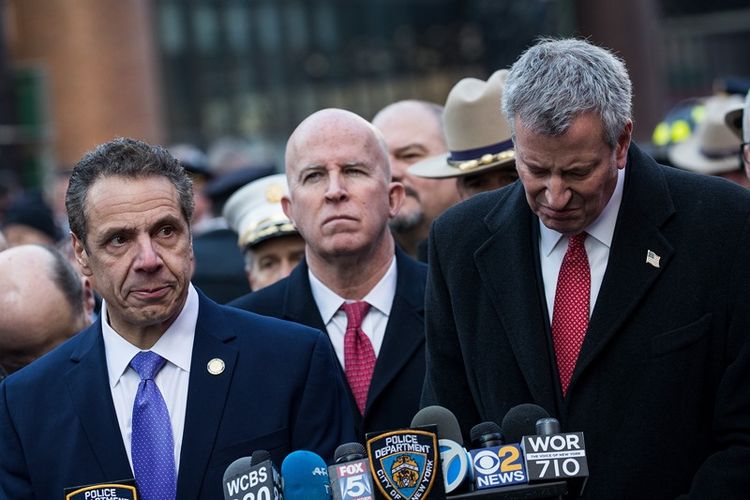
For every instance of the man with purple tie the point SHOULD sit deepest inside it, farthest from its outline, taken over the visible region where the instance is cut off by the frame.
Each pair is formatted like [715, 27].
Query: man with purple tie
[167, 387]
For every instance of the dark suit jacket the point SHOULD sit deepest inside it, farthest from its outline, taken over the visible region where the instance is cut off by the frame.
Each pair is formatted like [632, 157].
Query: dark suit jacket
[396, 384]
[280, 391]
[661, 385]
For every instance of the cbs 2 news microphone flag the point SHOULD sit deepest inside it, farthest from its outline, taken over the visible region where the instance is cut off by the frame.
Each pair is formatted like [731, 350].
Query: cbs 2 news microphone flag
[528, 458]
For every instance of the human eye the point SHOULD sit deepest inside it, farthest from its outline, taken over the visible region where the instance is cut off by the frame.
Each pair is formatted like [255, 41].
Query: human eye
[267, 263]
[355, 170]
[578, 173]
[537, 172]
[311, 176]
[115, 241]
[166, 231]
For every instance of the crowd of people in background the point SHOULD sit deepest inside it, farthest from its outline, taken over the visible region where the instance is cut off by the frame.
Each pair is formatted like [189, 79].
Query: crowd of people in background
[429, 246]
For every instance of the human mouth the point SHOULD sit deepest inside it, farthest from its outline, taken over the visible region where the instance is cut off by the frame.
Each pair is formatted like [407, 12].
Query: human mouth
[338, 218]
[411, 192]
[555, 214]
[150, 293]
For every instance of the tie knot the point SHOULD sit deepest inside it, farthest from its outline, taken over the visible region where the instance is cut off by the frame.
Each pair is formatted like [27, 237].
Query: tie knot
[355, 312]
[576, 241]
[147, 364]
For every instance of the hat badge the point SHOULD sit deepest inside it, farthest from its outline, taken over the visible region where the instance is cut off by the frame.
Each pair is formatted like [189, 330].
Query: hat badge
[274, 192]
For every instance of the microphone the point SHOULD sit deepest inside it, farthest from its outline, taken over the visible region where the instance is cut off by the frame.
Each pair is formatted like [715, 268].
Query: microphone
[305, 477]
[453, 456]
[252, 477]
[521, 421]
[495, 463]
[486, 435]
[552, 455]
[497, 457]
[350, 475]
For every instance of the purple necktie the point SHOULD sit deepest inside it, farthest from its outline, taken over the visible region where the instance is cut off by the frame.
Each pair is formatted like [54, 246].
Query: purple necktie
[152, 444]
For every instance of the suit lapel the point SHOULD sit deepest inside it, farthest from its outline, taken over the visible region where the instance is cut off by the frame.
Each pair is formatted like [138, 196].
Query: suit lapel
[207, 395]
[405, 330]
[88, 382]
[300, 307]
[508, 263]
[299, 304]
[629, 276]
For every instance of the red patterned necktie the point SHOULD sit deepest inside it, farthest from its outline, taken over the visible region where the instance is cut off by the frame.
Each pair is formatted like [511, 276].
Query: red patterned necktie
[359, 356]
[570, 316]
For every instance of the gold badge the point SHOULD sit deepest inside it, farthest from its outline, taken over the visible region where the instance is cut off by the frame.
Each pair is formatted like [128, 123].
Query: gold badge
[216, 366]
[274, 192]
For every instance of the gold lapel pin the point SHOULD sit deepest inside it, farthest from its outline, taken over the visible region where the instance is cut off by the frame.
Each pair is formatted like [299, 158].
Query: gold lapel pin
[652, 258]
[216, 366]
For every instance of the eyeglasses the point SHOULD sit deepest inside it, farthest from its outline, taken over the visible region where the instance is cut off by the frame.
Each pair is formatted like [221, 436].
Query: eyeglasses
[745, 152]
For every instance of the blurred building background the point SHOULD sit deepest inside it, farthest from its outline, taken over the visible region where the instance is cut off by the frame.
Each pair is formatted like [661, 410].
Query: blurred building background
[75, 73]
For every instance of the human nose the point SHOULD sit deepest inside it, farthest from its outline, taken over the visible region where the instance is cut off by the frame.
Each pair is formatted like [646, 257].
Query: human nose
[398, 169]
[336, 189]
[148, 258]
[285, 268]
[556, 193]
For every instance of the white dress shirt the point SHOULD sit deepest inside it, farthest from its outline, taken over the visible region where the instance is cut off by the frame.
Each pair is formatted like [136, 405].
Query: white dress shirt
[176, 346]
[552, 248]
[380, 299]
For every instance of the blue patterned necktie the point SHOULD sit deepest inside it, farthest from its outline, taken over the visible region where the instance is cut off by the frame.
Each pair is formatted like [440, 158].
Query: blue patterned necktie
[152, 444]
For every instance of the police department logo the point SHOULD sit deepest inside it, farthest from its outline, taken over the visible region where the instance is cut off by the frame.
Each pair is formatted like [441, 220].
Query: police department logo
[403, 463]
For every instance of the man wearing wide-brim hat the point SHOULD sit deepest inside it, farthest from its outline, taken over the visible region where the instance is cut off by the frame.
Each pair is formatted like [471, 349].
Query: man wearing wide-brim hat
[480, 154]
[712, 147]
[738, 120]
[270, 243]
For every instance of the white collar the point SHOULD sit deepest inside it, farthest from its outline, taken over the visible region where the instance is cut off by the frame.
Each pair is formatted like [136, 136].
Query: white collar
[175, 345]
[602, 229]
[380, 297]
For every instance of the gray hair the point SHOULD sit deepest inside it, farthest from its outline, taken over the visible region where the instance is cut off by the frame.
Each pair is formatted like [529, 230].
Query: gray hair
[555, 81]
[128, 158]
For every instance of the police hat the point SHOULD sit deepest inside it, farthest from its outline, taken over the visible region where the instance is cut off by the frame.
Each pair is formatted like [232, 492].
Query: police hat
[254, 212]
[476, 131]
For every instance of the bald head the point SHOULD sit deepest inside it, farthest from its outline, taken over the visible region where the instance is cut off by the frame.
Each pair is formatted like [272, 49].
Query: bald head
[429, 113]
[330, 126]
[43, 303]
[413, 132]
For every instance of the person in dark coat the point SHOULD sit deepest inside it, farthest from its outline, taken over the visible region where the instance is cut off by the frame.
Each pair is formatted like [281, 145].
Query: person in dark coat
[608, 289]
[341, 198]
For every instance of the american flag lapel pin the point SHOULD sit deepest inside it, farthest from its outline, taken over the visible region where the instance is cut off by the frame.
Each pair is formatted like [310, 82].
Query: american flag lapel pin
[652, 259]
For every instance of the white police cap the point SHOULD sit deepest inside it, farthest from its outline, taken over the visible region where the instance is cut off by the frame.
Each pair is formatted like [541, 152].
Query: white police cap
[254, 211]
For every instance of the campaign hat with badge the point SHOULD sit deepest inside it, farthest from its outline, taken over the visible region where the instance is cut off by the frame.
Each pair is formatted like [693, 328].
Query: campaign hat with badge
[254, 211]
[712, 147]
[476, 132]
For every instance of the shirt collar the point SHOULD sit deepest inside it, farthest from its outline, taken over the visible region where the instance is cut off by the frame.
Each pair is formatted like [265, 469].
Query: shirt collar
[602, 229]
[380, 297]
[175, 345]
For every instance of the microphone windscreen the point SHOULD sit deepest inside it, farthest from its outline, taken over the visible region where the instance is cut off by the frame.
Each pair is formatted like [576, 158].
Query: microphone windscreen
[483, 429]
[239, 466]
[521, 421]
[443, 418]
[305, 477]
[547, 426]
[348, 452]
[259, 456]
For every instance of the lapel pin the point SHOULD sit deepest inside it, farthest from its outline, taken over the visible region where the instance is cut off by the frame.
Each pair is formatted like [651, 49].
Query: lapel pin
[652, 258]
[216, 366]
